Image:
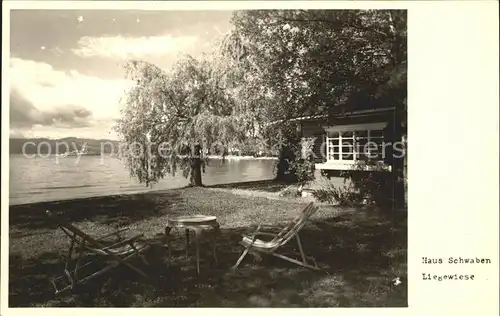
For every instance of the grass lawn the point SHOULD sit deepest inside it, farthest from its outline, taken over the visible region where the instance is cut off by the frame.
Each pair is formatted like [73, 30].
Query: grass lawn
[359, 251]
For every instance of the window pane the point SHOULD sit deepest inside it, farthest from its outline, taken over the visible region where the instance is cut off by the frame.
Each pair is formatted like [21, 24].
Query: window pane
[333, 157]
[370, 147]
[347, 142]
[334, 149]
[333, 134]
[333, 141]
[347, 134]
[380, 145]
[374, 144]
[361, 134]
[360, 149]
[374, 155]
[347, 156]
[362, 141]
[347, 149]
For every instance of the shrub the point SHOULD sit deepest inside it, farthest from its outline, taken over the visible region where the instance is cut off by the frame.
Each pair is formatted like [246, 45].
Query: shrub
[345, 195]
[303, 166]
[366, 182]
[372, 181]
[304, 171]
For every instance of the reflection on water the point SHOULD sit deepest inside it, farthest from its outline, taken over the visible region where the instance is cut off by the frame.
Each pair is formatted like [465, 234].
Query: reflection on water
[42, 179]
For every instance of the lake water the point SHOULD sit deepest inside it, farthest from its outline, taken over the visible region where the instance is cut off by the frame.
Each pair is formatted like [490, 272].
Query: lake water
[42, 179]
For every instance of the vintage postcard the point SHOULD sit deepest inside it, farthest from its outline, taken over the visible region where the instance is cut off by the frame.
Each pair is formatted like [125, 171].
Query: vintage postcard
[250, 155]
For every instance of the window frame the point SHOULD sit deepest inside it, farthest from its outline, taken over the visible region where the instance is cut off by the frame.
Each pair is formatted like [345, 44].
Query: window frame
[339, 129]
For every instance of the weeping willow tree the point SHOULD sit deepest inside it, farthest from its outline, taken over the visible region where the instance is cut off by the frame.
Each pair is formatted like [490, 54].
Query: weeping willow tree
[172, 118]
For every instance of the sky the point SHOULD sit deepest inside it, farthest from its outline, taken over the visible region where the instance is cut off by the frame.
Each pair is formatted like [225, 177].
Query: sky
[66, 66]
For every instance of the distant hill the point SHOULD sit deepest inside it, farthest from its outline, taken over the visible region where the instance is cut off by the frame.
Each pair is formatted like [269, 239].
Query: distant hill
[93, 145]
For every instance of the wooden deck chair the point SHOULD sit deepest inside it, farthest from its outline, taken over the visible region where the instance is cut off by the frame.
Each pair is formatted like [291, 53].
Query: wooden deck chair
[115, 253]
[257, 246]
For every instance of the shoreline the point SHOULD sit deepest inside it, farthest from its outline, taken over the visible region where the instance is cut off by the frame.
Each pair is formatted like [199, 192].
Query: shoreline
[217, 157]
[136, 193]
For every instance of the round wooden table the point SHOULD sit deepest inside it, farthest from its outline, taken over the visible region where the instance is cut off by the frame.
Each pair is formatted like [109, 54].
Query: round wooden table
[199, 224]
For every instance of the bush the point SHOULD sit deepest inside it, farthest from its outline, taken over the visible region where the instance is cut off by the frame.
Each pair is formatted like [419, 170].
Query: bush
[366, 182]
[303, 165]
[372, 181]
[343, 196]
[304, 171]
[295, 163]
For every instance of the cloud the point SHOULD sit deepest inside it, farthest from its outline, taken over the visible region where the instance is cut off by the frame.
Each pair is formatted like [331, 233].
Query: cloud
[42, 97]
[21, 110]
[57, 51]
[15, 133]
[23, 114]
[133, 47]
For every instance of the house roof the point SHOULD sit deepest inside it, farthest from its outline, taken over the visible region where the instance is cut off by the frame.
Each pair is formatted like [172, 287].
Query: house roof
[339, 114]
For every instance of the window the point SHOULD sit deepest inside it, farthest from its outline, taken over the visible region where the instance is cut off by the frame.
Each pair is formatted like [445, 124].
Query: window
[351, 143]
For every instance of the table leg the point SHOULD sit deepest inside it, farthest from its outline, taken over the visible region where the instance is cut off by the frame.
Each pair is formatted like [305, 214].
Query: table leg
[197, 241]
[187, 241]
[214, 244]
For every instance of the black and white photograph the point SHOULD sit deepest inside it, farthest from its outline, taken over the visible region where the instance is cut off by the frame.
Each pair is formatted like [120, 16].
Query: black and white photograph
[208, 158]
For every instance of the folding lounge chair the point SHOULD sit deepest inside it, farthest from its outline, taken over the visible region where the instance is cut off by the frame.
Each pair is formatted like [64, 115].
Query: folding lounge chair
[119, 252]
[257, 246]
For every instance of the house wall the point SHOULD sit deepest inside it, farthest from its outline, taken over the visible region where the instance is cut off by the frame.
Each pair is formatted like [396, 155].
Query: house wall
[314, 128]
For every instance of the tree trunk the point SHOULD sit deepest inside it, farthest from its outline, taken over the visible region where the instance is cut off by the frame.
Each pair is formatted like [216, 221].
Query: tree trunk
[287, 155]
[195, 175]
[282, 167]
[283, 172]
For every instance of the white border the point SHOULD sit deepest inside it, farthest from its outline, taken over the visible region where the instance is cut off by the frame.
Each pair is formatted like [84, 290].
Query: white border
[453, 202]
